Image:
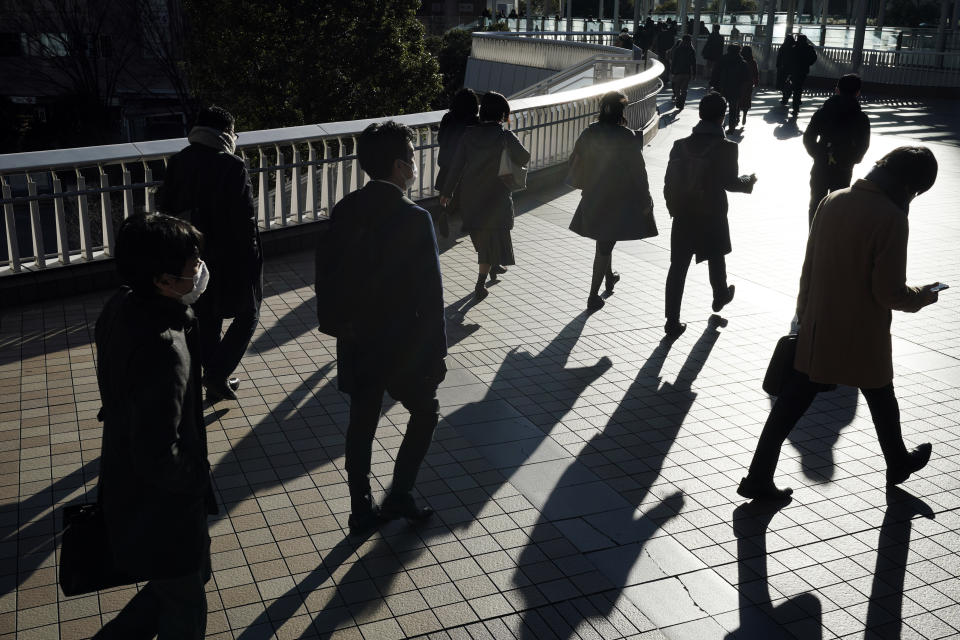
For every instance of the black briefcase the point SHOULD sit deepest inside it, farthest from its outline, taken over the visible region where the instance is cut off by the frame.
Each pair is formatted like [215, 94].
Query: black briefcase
[781, 364]
[86, 564]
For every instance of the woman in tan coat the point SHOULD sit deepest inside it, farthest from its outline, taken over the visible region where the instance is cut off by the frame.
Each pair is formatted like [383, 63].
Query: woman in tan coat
[853, 276]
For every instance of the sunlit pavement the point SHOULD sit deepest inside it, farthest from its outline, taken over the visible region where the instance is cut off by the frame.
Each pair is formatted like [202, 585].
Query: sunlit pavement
[584, 471]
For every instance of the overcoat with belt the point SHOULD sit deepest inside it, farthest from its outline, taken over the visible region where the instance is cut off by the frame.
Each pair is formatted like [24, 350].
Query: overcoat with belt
[854, 275]
[607, 164]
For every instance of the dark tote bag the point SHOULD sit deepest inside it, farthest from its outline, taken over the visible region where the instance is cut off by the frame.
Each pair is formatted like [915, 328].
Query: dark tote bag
[86, 564]
[781, 364]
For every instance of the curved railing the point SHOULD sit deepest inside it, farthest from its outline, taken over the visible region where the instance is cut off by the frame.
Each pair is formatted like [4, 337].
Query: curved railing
[539, 50]
[72, 199]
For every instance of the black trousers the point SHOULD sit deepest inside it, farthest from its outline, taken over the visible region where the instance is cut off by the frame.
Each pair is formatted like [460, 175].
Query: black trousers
[365, 404]
[733, 117]
[680, 83]
[795, 89]
[794, 400]
[677, 277]
[824, 179]
[173, 609]
[220, 355]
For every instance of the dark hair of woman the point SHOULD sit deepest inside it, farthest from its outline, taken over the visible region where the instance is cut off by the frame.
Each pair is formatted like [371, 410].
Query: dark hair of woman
[493, 107]
[612, 106]
[915, 167]
[464, 104]
[747, 53]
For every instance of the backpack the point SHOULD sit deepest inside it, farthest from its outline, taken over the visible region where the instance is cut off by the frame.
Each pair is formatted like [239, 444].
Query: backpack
[684, 182]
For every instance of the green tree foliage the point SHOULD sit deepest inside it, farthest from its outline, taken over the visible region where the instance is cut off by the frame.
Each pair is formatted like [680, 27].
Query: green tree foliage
[911, 13]
[279, 64]
[451, 51]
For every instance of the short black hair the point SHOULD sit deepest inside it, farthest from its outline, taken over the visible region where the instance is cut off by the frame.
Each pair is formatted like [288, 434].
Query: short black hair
[612, 105]
[712, 107]
[464, 104]
[849, 84]
[216, 118]
[493, 107]
[915, 167]
[801, 39]
[747, 52]
[151, 245]
[380, 145]
[733, 47]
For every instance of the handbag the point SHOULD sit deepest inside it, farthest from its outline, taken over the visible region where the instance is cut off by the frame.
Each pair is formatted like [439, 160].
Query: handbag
[86, 563]
[512, 174]
[781, 364]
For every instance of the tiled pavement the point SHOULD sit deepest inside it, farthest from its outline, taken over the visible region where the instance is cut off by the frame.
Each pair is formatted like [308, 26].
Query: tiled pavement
[584, 470]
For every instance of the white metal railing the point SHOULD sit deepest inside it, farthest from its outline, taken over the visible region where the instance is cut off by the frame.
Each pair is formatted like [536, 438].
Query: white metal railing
[60, 207]
[535, 49]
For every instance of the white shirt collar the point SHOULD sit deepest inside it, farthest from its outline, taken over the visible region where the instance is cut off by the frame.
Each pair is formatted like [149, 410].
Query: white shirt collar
[389, 183]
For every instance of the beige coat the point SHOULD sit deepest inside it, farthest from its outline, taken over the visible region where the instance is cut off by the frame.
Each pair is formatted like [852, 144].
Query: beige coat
[854, 274]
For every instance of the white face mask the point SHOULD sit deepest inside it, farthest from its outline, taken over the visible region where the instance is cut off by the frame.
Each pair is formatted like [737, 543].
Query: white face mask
[200, 281]
[412, 180]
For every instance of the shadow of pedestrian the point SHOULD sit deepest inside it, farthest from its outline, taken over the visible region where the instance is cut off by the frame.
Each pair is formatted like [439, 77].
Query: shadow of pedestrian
[642, 431]
[885, 609]
[787, 130]
[819, 430]
[800, 616]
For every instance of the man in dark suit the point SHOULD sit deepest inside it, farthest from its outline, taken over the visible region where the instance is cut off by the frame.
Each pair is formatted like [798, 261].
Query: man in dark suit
[388, 300]
[701, 169]
[155, 488]
[208, 185]
[836, 138]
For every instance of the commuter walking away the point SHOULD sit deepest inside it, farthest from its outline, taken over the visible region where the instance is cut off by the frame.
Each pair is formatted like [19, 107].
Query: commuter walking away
[746, 101]
[802, 57]
[731, 76]
[486, 206]
[784, 62]
[684, 68]
[701, 169]
[607, 164]
[388, 306]
[208, 185]
[712, 51]
[462, 114]
[836, 138]
[854, 275]
[155, 491]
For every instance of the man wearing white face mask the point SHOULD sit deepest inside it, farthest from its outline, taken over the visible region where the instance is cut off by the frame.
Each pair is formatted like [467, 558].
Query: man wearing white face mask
[208, 185]
[379, 292]
[155, 491]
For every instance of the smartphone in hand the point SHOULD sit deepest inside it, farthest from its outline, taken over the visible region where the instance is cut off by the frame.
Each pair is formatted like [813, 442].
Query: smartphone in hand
[940, 286]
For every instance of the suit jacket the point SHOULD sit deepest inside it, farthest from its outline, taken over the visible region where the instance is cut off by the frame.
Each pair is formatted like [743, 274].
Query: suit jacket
[854, 274]
[211, 188]
[155, 485]
[400, 335]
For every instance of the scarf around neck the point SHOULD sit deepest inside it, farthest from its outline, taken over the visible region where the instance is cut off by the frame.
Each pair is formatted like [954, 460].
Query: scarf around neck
[214, 138]
[890, 185]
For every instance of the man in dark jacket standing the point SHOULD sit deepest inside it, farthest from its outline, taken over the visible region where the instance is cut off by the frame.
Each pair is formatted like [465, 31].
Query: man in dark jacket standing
[684, 68]
[854, 275]
[712, 50]
[207, 185]
[155, 488]
[701, 169]
[391, 334]
[836, 138]
[730, 77]
[801, 58]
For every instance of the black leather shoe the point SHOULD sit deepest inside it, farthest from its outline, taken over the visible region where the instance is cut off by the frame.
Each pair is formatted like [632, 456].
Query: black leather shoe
[753, 490]
[361, 522]
[498, 270]
[403, 507]
[720, 303]
[595, 303]
[916, 460]
[610, 280]
[217, 391]
[233, 383]
[674, 328]
[480, 292]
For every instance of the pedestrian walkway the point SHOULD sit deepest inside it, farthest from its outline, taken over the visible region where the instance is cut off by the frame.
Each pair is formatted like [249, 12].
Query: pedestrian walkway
[584, 472]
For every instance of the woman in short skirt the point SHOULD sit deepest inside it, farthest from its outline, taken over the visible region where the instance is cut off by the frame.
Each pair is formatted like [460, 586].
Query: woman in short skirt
[486, 205]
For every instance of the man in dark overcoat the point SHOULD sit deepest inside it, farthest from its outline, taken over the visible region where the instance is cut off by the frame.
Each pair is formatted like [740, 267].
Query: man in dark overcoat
[802, 56]
[854, 275]
[208, 185]
[701, 169]
[836, 138]
[731, 76]
[393, 335]
[155, 489]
